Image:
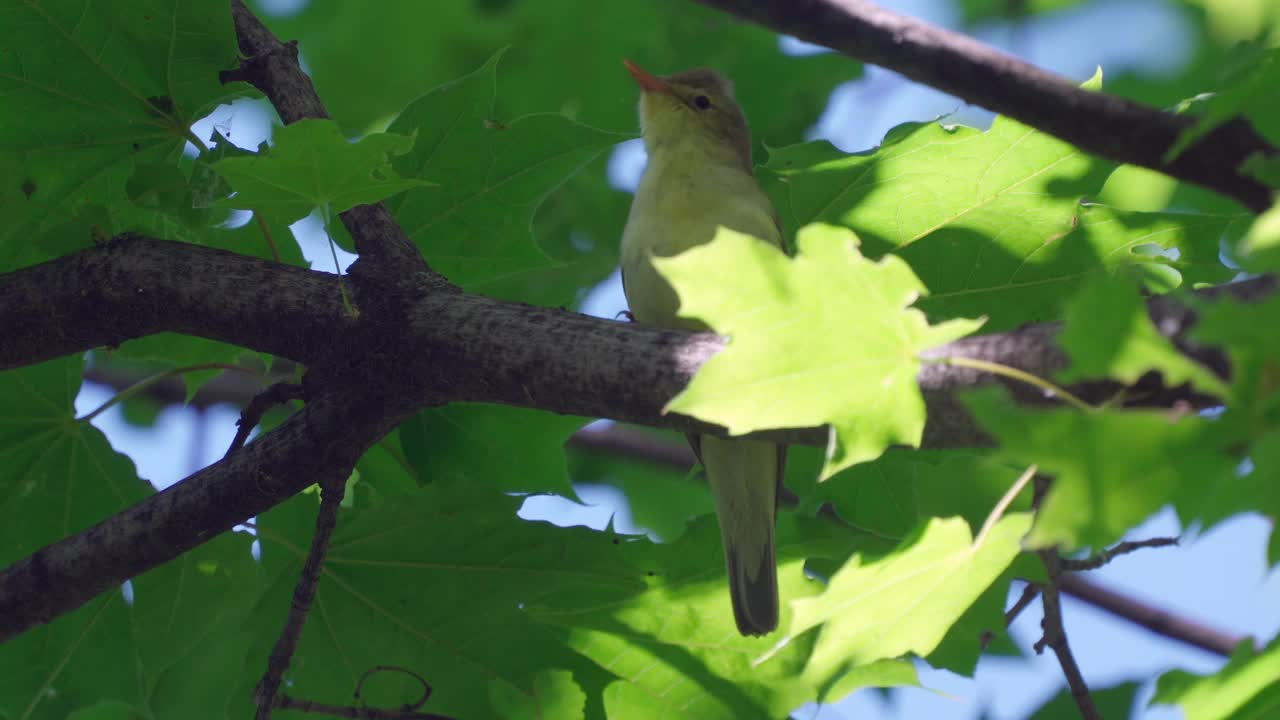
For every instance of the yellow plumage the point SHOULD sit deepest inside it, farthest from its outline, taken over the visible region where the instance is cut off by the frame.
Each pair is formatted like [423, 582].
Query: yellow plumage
[699, 177]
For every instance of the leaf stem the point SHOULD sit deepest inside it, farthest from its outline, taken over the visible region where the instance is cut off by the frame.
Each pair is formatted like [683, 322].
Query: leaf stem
[147, 382]
[266, 234]
[342, 288]
[190, 136]
[1014, 373]
[1003, 504]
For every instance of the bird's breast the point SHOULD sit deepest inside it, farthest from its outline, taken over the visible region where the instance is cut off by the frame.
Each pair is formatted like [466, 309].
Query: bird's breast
[679, 206]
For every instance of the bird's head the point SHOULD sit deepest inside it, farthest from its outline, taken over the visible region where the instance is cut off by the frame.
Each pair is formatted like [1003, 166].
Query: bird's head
[691, 106]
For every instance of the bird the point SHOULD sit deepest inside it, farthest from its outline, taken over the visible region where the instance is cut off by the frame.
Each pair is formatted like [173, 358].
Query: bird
[699, 176]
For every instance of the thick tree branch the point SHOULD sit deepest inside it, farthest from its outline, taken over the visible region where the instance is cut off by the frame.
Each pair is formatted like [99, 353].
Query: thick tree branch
[635, 444]
[132, 287]
[1096, 122]
[457, 346]
[369, 373]
[320, 444]
[272, 67]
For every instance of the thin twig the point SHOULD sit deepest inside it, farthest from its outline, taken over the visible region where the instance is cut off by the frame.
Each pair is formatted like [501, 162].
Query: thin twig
[1055, 635]
[408, 711]
[1029, 593]
[277, 394]
[284, 702]
[265, 695]
[1093, 562]
[426, 689]
[1161, 622]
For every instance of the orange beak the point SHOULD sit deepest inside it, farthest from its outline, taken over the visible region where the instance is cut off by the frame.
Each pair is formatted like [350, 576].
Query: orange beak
[647, 82]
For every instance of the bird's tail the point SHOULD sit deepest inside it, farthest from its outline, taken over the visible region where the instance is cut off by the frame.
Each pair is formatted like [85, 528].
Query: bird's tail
[744, 476]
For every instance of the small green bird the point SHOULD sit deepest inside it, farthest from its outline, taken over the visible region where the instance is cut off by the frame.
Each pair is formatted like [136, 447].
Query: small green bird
[699, 177]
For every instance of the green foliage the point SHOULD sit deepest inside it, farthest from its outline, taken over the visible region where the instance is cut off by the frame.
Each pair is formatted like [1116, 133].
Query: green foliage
[1108, 334]
[661, 500]
[555, 695]
[494, 162]
[512, 449]
[1246, 688]
[862, 612]
[993, 223]
[1260, 247]
[476, 228]
[102, 88]
[975, 10]
[1113, 702]
[1248, 77]
[310, 165]
[893, 494]
[60, 474]
[1111, 468]
[852, 343]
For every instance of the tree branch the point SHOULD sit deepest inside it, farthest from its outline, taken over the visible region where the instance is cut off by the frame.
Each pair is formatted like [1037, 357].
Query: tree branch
[277, 394]
[632, 443]
[1102, 124]
[265, 695]
[1055, 635]
[480, 349]
[1093, 562]
[1161, 622]
[462, 347]
[272, 67]
[133, 287]
[367, 374]
[319, 444]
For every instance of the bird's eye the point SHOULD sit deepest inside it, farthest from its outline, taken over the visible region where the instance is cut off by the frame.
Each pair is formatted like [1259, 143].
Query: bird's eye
[702, 102]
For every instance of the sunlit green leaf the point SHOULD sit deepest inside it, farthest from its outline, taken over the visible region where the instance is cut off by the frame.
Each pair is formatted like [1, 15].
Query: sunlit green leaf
[1246, 688]
[555, 695]
[1110, 468]
[676, 641]
[991, 222]
[1261, 244]
[407, 583]
[905, 601]
[850, 335]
